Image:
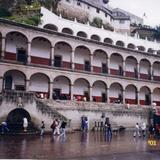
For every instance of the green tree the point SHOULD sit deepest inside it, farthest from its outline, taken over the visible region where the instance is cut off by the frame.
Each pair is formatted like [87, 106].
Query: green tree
[157, 33]
[6, 4]
[50, 4]
[97, 22]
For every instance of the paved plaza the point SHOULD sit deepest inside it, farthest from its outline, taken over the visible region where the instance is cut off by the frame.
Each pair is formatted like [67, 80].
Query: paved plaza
[78, 146]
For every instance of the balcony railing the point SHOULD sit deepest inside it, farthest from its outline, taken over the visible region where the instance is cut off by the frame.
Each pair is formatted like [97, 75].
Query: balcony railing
[97, 70]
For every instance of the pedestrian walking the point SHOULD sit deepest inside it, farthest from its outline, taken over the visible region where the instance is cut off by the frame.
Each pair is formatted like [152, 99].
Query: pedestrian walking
[63, 128]
[151, 131]
[4, 127]
[53, 126]
[108, 131]
[25, 124]
[56, 129]
[86, 124]
[143, 127]
[137, 130]
[42, 128]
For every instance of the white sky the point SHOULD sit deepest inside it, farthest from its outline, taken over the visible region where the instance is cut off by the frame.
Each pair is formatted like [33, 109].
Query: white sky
[138, 7]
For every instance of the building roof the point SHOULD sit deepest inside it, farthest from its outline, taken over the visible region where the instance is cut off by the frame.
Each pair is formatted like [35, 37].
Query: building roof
[108, 10]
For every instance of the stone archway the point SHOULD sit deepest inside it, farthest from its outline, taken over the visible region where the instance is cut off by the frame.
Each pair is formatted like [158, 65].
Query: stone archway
[15, 120]
[16, 47]
[14, 80]
[81, 89]
[39, 84]
[116, 93]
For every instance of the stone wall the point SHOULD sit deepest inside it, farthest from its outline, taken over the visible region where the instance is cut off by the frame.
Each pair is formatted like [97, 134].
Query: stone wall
[118, 114]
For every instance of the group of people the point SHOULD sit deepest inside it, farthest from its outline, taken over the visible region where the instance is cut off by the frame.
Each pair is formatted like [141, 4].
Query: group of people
[57, 128]
[140, 130]
[5, 129]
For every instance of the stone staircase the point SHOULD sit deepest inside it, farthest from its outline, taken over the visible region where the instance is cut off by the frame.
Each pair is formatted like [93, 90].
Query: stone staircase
[94, 106]
[27, 101]
[51, 111]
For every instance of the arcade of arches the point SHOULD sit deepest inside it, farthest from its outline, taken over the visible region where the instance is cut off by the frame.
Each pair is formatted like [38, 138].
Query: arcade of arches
[63, 88]
[17, 48]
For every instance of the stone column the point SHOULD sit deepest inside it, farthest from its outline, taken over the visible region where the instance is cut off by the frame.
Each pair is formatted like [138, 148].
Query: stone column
[3, 47]
[72, 60]
[29, 53]
[123, 97]
[151, 97]
[90, 94]
[91, 62]
[1, 84]
[52, 56]
[71, 91]
[151, 72]
[108, 67]
[138, 98]
[124, 68]
[27, 85]
[50, 90]
[107, 90]
[138, 71]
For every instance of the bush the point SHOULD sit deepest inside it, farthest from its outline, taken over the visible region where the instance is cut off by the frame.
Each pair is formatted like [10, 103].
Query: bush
[97, 22]
[4, 13]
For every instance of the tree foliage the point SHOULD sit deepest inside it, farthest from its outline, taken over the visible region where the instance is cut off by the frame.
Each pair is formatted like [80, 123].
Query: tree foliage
[50, 4]
[97, 22]
[157, 33]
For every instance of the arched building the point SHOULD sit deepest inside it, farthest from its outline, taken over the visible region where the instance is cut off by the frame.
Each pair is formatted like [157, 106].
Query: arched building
[61, 65]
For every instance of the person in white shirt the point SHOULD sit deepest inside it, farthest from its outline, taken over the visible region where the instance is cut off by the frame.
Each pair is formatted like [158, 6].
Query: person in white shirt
[137, 130]
[25, 124]
[143, 127]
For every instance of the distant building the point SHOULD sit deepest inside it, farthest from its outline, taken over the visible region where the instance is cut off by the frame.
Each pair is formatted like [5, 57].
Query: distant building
[119, 19]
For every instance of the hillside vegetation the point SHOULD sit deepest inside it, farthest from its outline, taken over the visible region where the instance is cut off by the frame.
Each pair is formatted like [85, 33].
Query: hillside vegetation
[25, 11]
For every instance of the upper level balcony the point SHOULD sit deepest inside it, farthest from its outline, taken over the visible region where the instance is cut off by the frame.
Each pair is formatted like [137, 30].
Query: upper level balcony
[96, 34]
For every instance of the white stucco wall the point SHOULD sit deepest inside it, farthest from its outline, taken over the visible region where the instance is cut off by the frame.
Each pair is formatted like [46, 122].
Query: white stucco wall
[49, 17]
[80, 86]
[98, 89]
[81, 55]
[130, 92]
[115, 90]
[144, 67]
[156, 70]
[38, 83]
[144, 91]
[130, 65]
[99, 58]
[13, 42]
[115, 62]
[61, 83]
[64, 51]
[40, 49]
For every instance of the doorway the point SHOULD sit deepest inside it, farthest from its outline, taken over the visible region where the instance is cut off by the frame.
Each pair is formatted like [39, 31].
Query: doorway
[104, 68]
[21, 55]
[120, 71]
[147, 99]
[103, 97]
[8, 82]
[15, 120]
[87, 66]
[57, 61]
[86, 94]
[57, 93]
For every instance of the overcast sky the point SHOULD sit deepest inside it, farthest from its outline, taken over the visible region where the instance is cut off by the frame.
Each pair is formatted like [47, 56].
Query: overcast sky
[151, 8]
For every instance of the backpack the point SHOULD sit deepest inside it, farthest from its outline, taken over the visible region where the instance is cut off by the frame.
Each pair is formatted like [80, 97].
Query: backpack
[53, 125]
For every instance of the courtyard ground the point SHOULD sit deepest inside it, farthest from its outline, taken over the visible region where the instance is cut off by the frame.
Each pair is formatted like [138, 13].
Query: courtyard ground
[79, 146]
